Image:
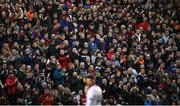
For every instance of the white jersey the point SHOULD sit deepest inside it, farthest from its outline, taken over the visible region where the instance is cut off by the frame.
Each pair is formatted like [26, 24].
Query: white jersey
[94, 96]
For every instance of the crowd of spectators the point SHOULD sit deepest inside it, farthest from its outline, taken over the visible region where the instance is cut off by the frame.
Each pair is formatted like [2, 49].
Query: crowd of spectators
[49, 46]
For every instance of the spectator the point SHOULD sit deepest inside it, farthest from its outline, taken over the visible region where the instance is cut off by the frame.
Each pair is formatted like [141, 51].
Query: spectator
[46, 98]
[63, 60]
[58, 76]
[11, 83]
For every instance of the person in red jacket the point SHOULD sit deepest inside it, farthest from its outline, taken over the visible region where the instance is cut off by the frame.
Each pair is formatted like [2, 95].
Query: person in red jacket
[109, 54]
[12, 87]
[145, 25]
[63, 60]
[46, 98]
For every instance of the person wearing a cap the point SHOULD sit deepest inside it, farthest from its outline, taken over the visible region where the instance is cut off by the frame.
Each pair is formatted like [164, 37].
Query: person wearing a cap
[94, 92]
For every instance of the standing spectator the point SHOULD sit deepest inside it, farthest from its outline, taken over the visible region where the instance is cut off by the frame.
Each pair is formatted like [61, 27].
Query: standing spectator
[94, 93]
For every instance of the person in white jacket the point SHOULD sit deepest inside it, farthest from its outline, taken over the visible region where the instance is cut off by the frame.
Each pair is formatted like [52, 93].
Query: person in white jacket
[94, 92]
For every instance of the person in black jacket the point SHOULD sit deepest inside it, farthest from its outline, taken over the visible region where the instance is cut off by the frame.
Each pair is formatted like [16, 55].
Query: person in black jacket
[36, 97]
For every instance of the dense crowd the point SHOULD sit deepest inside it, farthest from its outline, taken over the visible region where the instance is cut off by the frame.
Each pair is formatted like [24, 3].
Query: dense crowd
[49, 46]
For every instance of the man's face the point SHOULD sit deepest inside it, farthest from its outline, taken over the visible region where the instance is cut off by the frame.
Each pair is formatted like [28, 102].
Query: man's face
[23, 66]
[71, 66]
[4, 66]
[36, 91]
[92, 39]
[89, 82]
[85, 44]
[138, 31]
[82, 66]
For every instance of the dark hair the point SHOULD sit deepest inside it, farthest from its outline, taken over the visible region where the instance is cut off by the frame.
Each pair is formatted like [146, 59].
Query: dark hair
[90, 76]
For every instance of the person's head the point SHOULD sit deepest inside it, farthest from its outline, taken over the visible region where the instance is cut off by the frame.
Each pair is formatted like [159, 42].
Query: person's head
[80, 92]
[11, 74]
[42, 42]
[137, 32]
[135, 90]
[91, 26]
[88, 60]
[67, 91]
[85, 45]
[168, 81]
[129, 71]
[148, 97]
[82, 35]
[76, 62]
[47, 90]
[92, 39]
[61, 52]
[3, 14]
[53, 60]
[61, 1]
[91, 68]
[142, 71]
[27, 51]
[147, 56]
[154, 92]
[66, 43]
[82, 65]
[4, 66]
[99, 63]
[104, 81]
[90, 80]
[46, 36]
[36, 91]
[23, 67]
[124, 31]
[75, 74]
[74, 50]
[71, 65]
[113, 57]
[37, 66]
[29, 68]
[11, 66]
[5, 46]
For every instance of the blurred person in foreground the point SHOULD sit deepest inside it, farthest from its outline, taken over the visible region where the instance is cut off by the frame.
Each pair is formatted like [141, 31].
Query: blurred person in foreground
[94, 92]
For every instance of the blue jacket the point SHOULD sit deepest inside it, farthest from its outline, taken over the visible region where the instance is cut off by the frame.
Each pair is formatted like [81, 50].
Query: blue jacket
[58, 77]
[64, 23]
[147, 103]
[92, 46]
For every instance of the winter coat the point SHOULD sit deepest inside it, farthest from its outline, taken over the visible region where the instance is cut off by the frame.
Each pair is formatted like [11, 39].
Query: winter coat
[64, 61]
[58, 77]
[11, 84]
[46, 99]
